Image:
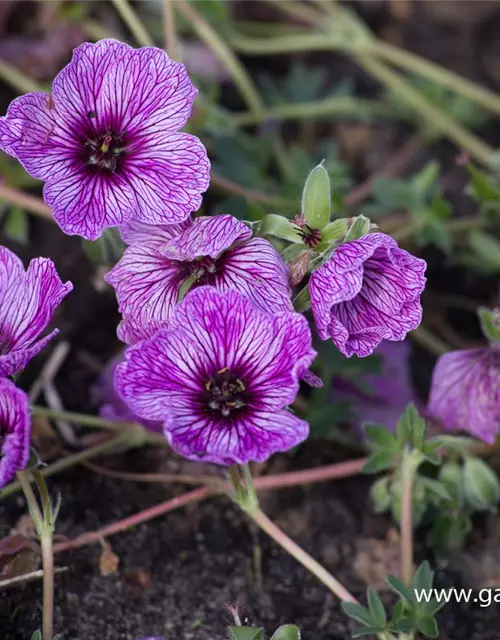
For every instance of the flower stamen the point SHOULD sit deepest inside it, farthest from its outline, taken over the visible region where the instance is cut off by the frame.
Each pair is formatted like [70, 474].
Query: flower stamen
[226, 393]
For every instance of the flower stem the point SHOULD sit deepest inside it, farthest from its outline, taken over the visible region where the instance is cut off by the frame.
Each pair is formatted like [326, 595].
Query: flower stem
[32, 204]
[334, 106]
[224, 53]
[171, 43]
[434, 116]
[133, 22]
[122, 525]
[17, 79]
[408, 474]
[82, 419]
[274, 532]
[434, 72]
[122, 442]
[44, 526]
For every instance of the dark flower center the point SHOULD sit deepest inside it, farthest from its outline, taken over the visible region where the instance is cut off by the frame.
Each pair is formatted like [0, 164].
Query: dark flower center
[310, 237]
[203, 270]
[105, 151]
[226, 394]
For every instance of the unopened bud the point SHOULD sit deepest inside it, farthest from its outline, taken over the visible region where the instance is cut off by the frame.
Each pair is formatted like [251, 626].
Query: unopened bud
[298, 268]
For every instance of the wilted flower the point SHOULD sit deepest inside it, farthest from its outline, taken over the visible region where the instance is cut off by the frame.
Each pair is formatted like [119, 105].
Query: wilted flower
[27, 302]
[111, 405]
[465, 392]
[217, 251]
[367, 292]
[220, 378]
[106, 141]
[15, 430]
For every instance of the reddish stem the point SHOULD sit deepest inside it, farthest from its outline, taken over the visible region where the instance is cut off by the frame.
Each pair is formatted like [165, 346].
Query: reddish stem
[29, 203]
[122, 525]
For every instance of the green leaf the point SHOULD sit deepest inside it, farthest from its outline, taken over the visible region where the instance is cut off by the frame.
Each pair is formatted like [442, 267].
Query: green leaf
[484, 189]
[287, 632]
[37, 635]
[359, 227]
[380, 494]
[408, 422]
[379, 461]
[376, 607]
[358, 613]
[316, 198]
[487, 248]
[430, 451]
[302, 301]
[423, 577]
[490, 323]
[450, 477]
[400, 588]
[380, 436]
[436, 489]
[280, 227]
[427, 626]
[426, 179]
[16, 225]
[481, 485]
[333, 232]
[359, 632]
[246, 633]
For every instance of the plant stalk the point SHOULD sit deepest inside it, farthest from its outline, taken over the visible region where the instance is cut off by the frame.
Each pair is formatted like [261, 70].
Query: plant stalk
[307, 561]
[408, 474]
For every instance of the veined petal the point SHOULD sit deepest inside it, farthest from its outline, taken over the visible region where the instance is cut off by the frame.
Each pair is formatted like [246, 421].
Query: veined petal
[465, 392]
[147, 287]
[85, 204]
[257, 270]
[27, 303]
[168, 176]
[133, 232]
[367, 292]
[208, 236]
[15, 430]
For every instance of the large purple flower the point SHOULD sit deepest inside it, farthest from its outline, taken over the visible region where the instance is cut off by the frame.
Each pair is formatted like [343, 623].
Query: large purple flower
[217, 251]
[465, 392]
[27, 302]
[106, 140]
[367, 292]
[220, 378]
[15, 430]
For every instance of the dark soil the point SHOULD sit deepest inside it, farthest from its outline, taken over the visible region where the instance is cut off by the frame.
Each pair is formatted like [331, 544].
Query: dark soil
[177, 572]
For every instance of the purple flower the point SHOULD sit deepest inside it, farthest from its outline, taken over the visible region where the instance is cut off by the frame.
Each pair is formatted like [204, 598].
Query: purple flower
[217, 251]
[27, 302]
[220, 378]
[106, 141]
[367, 292]
[15, 430]
[465, 392]
[112, 406]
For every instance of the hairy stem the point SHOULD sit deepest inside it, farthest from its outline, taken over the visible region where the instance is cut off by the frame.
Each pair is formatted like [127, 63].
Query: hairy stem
[122, 525]
[307, 561]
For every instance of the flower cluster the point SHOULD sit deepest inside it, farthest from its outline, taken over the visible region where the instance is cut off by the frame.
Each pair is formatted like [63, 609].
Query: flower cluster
[216, 351]
[28, 300]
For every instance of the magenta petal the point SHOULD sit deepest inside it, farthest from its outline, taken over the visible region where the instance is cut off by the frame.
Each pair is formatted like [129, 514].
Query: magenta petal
[207, 237]
[147, 287]
[15, 430]
[27, 303]
[465, 392]
[257, 270]
[367, 292]
[220, 377]
[134, 232]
